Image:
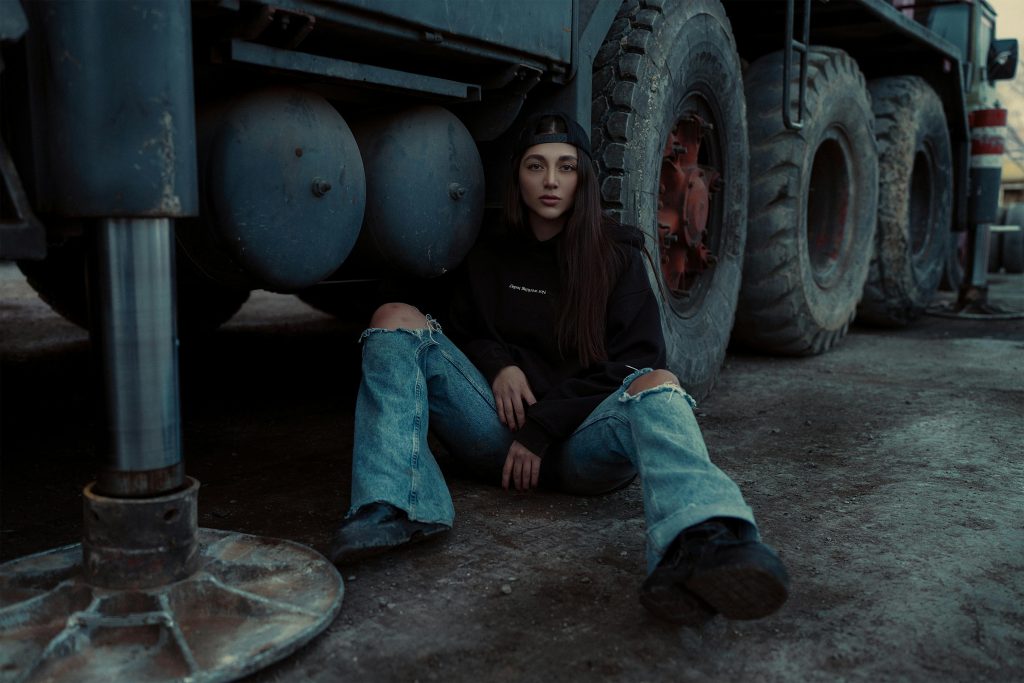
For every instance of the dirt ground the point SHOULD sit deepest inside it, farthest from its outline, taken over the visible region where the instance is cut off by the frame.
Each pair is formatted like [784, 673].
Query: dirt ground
[888, 473]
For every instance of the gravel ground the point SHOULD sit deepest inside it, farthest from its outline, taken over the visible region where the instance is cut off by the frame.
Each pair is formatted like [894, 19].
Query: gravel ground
[888, 473]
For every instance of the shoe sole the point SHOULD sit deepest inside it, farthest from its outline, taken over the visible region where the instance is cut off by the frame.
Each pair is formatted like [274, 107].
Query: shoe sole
[742, 591]
[665, 595]
[354, 555]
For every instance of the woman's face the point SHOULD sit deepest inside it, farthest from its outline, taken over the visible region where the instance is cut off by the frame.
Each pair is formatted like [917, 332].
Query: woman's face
[547, 182]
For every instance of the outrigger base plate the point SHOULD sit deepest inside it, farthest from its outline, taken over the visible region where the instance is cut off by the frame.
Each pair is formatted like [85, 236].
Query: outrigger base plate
[253, 601]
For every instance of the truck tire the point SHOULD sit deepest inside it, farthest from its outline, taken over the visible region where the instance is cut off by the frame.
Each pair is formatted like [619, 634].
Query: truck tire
[813, 197]
[667, 83]
[1013, 242]
[60, 281]
[915, 200]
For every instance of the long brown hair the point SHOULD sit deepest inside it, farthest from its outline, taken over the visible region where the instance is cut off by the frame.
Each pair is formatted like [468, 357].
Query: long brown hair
[589, 258]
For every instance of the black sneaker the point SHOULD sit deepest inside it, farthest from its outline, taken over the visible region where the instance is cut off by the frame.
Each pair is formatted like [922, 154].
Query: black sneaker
[710, 569]
[375, 528]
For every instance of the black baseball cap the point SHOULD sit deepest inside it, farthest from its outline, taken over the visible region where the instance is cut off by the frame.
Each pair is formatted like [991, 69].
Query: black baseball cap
[574, 134]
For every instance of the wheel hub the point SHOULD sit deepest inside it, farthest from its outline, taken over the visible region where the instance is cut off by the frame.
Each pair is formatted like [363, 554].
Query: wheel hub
[683, 206]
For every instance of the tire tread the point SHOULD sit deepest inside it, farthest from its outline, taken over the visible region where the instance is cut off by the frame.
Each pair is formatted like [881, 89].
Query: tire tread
[775, 313]
[899, 288]
[636, 52]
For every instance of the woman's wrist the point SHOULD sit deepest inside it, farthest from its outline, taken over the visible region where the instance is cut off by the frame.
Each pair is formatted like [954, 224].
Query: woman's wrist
[533, 437]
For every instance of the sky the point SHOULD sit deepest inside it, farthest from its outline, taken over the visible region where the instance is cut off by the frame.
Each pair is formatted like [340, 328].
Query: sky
[1010, 19]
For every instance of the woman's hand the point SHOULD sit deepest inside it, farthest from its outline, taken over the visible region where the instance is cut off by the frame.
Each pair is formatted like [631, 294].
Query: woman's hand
[510, 391]
[522, 468]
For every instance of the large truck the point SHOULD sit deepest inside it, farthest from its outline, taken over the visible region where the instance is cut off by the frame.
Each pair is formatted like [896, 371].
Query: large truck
[793, 164]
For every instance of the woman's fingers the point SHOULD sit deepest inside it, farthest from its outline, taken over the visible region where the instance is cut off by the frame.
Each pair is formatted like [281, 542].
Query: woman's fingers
[522, 468]
[520, 411]
[505, 412]
[506, 471]
[510, 413]
[512, 395]
[500, 407]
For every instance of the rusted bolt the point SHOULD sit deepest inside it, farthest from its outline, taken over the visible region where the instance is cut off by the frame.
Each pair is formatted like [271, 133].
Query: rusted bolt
[320, 187]
[298, 151]
[456, 191]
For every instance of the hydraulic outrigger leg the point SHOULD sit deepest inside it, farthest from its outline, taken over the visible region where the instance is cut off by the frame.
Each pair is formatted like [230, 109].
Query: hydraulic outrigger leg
[988, 128]
[973, 295]
[148, 595]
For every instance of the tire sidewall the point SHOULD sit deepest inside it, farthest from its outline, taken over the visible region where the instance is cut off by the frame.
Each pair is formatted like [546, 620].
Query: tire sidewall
[695, 51]
[202, 305]
[844, 116]
[908, 280]
[783, 307]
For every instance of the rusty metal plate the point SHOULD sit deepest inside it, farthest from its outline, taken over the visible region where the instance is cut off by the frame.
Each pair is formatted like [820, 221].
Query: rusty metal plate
[253, 601]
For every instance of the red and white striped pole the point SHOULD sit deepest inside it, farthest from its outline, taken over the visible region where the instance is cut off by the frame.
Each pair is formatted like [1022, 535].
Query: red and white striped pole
[988, 132]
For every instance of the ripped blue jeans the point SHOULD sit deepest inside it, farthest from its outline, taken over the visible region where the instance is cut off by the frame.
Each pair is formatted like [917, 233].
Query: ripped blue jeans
[418, 379]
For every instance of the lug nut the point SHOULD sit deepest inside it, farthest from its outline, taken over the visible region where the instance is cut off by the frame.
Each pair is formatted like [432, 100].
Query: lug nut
[320, 187]
[456, 191]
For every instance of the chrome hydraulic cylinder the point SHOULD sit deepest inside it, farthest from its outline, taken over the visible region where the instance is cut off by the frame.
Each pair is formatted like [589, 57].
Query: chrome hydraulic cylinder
[135, 338]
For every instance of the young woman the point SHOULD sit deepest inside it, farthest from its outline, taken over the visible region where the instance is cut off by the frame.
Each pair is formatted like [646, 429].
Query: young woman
[557, 378]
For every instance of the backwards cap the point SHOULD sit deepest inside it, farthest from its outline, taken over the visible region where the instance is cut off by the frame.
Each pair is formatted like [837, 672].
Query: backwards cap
[574, 135]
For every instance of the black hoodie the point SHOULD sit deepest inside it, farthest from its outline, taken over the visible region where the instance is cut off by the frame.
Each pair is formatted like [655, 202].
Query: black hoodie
[505, 313]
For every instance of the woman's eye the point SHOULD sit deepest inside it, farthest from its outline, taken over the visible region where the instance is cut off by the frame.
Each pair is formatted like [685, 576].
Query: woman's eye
[533, 167]
[568, 168]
